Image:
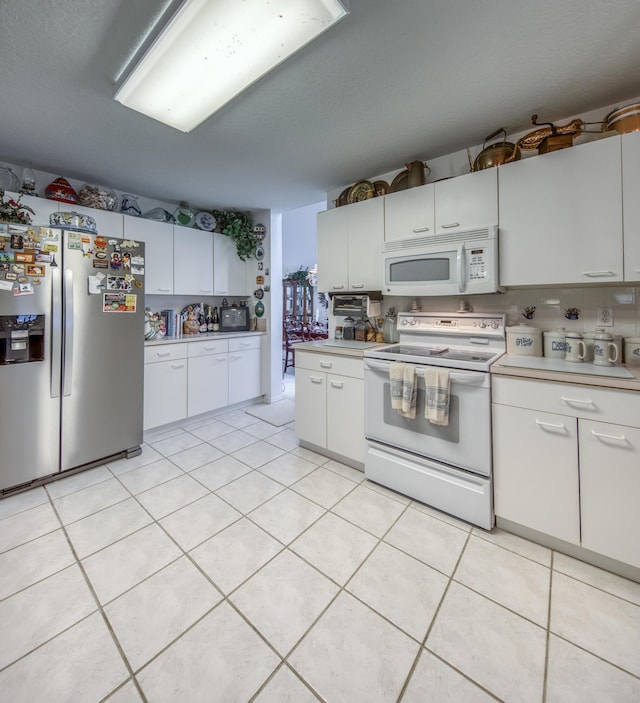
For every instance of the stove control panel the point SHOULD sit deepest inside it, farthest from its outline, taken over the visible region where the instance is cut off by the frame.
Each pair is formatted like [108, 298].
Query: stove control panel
[455, 324]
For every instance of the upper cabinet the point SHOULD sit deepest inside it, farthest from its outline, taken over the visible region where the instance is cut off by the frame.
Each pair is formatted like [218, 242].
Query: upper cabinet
[350, 242]
[631, 203]
[229, 271]
[561, 216]
[158, 252]
[192, 261]
[108, 223]
[466, 202]
[409, 213]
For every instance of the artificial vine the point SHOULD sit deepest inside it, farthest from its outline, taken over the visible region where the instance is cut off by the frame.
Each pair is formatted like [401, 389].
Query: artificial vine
[239, 227]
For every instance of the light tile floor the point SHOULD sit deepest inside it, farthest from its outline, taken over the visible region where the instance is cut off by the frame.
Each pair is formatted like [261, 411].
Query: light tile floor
[239, 571]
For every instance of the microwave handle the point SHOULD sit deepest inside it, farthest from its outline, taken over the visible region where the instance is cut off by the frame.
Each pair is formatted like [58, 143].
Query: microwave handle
[460, 267]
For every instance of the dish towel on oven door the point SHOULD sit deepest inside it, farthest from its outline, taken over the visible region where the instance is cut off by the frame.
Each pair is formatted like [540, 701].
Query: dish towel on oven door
[403, 389]
[436, 404]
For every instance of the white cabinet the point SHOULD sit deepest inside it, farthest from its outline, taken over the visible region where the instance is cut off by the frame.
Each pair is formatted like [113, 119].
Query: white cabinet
[158, 252]
[567, 463]
[229, 271]
[631, 204]
[560, 216]
[192, 261]
[329, 406]
[165, 384]
[350, 242]
[609, 489]
[245, 376]
[409, 213]
[466, 202]
[536, 471]
[208, 374]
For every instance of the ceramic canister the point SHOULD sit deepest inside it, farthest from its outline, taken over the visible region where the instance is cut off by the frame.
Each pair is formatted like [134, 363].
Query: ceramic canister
[524, 340]
[555, 343]
[632, 351]
[605, 352]
[575, 347]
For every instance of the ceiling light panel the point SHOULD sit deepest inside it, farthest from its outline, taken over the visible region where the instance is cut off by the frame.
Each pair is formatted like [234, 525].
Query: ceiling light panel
[211, 51]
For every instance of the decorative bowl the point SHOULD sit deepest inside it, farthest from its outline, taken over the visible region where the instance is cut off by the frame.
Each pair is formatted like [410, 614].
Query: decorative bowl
[97, 197]
[60, 189]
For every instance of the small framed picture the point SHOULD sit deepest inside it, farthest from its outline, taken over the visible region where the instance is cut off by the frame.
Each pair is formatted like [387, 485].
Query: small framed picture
[34, 270]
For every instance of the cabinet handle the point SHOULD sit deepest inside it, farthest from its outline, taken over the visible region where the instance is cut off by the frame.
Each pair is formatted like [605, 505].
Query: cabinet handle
[326, 364]
[221, 292]
[420, 229]
[235, 358]
[316, 379]
[598, 274]
[550, 425]
[164, 290]
[244, 345]
[601, 435]
[575, 400]
[357, 285]
[209, 348]
[177, 366]
[450, 225]
[205, 290]
[160, 355]
[337, 384]
[221, 359]
[337, 287]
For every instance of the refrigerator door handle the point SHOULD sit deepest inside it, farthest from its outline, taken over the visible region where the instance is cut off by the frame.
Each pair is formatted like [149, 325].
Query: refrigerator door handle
[56, 332]
[67, 373]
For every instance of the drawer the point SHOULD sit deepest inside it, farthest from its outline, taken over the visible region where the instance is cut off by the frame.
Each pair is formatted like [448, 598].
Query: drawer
[210, 346]
[242, 343]
[165, 352]
[590, 402]
[330, 363]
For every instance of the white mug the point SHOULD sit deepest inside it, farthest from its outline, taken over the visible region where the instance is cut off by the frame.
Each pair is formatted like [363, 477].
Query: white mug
[575, 348]
[605, 352]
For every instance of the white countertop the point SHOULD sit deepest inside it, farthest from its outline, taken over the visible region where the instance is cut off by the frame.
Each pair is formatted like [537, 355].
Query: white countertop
[200, 337]
[341, 347]
[585, 374]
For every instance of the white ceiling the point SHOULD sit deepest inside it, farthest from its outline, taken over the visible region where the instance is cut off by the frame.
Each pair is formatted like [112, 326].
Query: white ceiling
[394, 81]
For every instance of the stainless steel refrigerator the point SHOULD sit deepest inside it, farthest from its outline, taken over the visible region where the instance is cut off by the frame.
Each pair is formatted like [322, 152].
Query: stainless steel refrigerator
[71, 351]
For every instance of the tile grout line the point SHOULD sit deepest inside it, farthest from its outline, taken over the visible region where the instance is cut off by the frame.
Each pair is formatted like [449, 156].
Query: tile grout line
[548, 634]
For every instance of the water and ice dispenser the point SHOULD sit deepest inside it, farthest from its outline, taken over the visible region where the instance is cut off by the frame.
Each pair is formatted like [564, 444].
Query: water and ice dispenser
[21, 338]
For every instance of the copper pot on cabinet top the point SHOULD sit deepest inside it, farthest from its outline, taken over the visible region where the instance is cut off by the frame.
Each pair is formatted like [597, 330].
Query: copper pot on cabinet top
[496, 154]
[418, 171]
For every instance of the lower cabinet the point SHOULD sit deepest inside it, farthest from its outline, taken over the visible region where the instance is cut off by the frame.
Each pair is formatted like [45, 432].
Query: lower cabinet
[190, 378]
[564, 474]
[165, 384]
[329, 406]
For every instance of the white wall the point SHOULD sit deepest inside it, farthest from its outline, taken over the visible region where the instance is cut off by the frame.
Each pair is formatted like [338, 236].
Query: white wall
[299, 241]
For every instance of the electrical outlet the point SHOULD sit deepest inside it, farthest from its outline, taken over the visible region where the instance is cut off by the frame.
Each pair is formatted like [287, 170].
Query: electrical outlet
[605, 317]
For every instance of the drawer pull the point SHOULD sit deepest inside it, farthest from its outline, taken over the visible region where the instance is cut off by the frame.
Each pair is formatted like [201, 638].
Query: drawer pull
[601, 435]
[316, 379]
[235, 358]
[450, 225]
[337, 384]
[221, 359]
[420, 229]
[326, 364]
[162, 354]
[177, 366]
[357, 285]
[550, 425]
[598, 274]
[163, 290]
[209, 348]
[337, 287]
[575, 400]
[244, 345]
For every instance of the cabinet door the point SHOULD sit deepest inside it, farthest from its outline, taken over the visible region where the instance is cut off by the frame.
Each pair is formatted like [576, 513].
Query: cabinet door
[467, 202]
[108, 223]
[245, 378]
[345, 416]
[208, 387]
[332, 250]
[609, 490]
[158, 252]
[311, 406]
[561, 216]
[631, 204]
[229, 271]
[192, 261]
[409, 213]
[535, 471]
[165, 392]
[365, 225]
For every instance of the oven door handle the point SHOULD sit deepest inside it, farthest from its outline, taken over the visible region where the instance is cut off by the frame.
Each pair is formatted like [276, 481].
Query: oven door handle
[460, 268]
[469, 378]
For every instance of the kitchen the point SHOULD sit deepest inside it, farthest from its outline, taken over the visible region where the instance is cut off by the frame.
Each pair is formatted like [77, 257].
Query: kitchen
[445, 658]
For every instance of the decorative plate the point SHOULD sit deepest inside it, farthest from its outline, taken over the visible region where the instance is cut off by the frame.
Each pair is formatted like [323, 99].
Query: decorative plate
[381, 187]
[400, 182]
[259, 309]
[259, 253]
[206, 221]
[361, 191]
[343, 197]
[260, 232]
[258, 293]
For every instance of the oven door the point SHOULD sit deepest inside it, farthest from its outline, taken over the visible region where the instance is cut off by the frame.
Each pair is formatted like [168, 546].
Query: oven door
[465, 442]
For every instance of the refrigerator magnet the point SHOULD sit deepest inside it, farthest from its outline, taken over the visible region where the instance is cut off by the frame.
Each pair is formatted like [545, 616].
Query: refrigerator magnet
[50, 247]
[22, 257]
[23, 289]
[100, 264]
[36, 281]
[35, 270]
[17, 242]
[43, 258]
[11, 276]
[101, 255]
[13, 228]
[74, 245]
[116, 260]
[100, 242]
[18, 268]
[6, 285]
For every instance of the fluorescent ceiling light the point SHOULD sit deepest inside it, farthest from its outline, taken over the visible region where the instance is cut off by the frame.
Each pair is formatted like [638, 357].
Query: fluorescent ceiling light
[211, 50]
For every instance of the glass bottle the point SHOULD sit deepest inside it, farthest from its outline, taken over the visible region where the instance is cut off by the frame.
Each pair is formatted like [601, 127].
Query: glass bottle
[202, 319]
[390, 327]
[28, 186]
[209, 319]
[216, 320]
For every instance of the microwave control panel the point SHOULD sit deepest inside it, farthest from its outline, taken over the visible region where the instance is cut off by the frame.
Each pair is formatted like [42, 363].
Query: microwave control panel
[476, 263]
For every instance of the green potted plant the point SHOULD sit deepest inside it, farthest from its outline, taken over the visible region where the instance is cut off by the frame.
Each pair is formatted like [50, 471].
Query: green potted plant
[239, 227]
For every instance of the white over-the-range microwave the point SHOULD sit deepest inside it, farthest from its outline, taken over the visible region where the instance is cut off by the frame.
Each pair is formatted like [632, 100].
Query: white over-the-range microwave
[442, 264]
